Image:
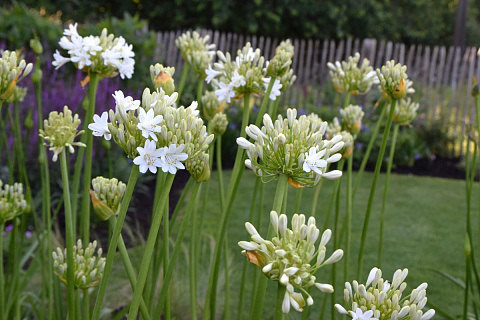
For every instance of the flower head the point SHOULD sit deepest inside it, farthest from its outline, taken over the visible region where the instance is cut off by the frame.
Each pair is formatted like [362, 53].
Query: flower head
[219, 123]
[12, 201]
[280, 64]
[211, 105]
[196, 51]
[291, 257]
[383, 300]
[392, 78]
[12, 70]
[106, 196]
[60, 129]
[405, 111]
[106, 55]
[172, 157]
[282, 148]
[162, 77]
[88, 268]
[348, 76]
[352, 119]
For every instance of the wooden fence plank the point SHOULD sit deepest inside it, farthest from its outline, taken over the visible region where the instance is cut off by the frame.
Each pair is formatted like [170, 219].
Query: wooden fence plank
[348, 48]
[437, 102]
[388, 52]
[339, 51]
[301, 68]
[380, 55]
[410, 55]
[431, 78]
[308, 64]
[323, 63]
[316, 64]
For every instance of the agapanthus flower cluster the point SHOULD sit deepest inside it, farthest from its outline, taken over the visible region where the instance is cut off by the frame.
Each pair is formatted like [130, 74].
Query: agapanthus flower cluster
[196, 51]
[348, 76]
[12, 201]
[218, 125]
[106, 55]
[291, 257]
[405, 111]
[287, 46]
[211, 105]
[12, 70]
[19, 94]
[384, 298]
[106, 196]
[88, 269]
[60, 129]
[162, 78]
[155, 134]
[291, 146]
[232, 78]
[352, 119]
[392, 79]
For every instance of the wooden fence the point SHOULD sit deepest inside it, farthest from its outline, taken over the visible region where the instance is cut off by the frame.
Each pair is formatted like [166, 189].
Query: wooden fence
[442, 75]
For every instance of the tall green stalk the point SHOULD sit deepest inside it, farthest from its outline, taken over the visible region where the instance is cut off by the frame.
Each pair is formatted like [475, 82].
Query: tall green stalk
[159, 210]
[256, 313]
[378, 166]
[185, 69]
[371, 143]
[279, 315]
[176, 251]
[87, 170]
[69, 235]
[348, 217]
[193, 268]
[385, 191]
[166, 260]
[209, 310]
[112, 246]
[2, 277]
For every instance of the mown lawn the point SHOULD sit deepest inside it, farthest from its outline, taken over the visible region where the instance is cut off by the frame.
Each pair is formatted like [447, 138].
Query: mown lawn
[425, 230]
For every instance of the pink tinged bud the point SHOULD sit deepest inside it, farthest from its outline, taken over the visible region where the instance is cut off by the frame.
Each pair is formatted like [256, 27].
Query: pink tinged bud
[324, 287]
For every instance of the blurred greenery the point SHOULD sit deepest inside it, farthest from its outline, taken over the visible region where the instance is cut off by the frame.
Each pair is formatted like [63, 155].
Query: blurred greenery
[409, 21]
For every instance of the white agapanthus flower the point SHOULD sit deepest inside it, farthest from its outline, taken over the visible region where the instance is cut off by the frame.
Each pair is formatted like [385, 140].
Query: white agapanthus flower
[275, 89]
[149, 123]
[237, 80]
[105, 55]
[172, 157]
[149, 157]
[360, 315]
[124, 104]
[99, 126]
[225, 92]
[314, 160]
[211, 73]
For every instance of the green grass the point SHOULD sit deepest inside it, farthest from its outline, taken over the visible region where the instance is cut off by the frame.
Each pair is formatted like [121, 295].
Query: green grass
[425, 223]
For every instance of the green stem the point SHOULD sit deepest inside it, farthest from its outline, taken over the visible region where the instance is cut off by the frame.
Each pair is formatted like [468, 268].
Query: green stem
[317, 196]
[193, 268]
[257, 308]
[166, 253]
[2, 277]
[220, 172]
[467, 286]
[199, 90]
[336, 186]
[279, 315]
[298, 200]
[274, 110]
[87, 170]
[112, 246]
[226, 306]
[336, 242]
[258, 182]
[128, 266]
[347, 100]
[266, 98]
[371, 143]
[69, 235]
[186, 66]
[180, 202]
[477, 118]
[385, 191]
[176, 251]
[238, 168]
[378, 166]
[348, 217]
[147, 255]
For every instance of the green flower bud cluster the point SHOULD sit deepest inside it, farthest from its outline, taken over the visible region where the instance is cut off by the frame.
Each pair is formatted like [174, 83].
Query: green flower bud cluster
[219, 123]
[12, 202]
[196, 51]
[352, 119]
[199, 167]
[347, 139]
[88, 269]
[333, 128]
[12, 70]
[287, 46]
[291, 257]
[281, 148]
[405, 111]
[384, 298]
[280, 64]
[106, 196]
[211, 105]
[60, 129]
[392, 78]
[162, 78]
[36, 45]
[19, 93]
[349, 77]
[248, 64]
